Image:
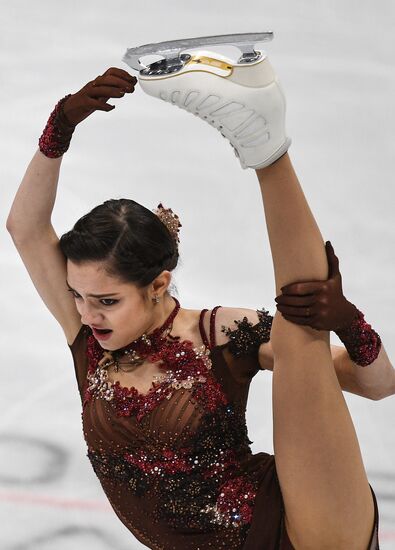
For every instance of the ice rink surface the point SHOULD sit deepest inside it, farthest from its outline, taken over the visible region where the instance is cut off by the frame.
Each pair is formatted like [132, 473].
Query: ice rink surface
[335, 61]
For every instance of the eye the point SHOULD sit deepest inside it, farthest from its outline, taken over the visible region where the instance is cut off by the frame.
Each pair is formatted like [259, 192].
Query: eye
[109, 300]
[104, 301]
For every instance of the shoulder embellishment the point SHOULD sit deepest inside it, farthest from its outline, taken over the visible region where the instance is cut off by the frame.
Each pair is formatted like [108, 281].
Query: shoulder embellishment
[246, 338]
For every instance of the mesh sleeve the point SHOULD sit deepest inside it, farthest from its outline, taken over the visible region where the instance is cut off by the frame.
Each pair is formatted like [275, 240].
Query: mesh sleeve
[246, 338]
[80, 359]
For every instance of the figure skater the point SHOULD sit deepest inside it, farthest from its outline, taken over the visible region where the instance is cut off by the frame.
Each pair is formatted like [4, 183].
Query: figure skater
[164, 389]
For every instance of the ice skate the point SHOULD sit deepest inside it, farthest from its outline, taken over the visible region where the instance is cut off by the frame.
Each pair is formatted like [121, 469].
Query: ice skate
[241, 98]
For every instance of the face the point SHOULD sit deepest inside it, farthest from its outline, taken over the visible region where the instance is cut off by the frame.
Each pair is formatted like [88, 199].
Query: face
[120, 307]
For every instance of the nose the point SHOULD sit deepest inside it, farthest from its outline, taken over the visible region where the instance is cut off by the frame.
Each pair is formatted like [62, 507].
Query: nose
[88, 316]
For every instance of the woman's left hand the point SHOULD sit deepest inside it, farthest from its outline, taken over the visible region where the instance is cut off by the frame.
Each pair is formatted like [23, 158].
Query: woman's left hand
[318, 304]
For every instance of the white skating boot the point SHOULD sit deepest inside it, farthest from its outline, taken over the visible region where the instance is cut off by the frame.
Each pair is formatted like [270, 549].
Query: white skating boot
[242, 99]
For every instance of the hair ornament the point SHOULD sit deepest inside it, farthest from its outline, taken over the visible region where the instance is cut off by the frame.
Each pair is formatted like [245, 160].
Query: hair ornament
[170, 219]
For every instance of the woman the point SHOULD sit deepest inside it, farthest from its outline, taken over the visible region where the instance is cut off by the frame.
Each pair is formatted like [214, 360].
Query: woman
[164, 389]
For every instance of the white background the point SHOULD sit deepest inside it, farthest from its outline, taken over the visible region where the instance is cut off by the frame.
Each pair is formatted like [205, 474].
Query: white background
[335, 61]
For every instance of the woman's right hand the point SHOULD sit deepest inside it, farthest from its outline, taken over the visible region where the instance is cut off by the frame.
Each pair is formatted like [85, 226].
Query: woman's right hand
[94, 95]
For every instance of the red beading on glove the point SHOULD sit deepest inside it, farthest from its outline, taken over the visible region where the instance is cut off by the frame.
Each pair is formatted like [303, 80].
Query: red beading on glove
[363, 344]
[56, 137]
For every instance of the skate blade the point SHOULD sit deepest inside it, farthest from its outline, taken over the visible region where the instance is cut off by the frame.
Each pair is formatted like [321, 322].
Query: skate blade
[174, 59]
[221, 65]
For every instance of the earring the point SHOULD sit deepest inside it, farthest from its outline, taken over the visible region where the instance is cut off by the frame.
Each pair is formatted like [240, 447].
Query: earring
[156, 299]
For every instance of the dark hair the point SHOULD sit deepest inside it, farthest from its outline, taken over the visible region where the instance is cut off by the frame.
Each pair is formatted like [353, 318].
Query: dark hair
[133, 243]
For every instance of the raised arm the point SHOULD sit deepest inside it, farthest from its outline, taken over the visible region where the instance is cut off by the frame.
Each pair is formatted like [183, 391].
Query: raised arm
[29, 220]
[31, 210]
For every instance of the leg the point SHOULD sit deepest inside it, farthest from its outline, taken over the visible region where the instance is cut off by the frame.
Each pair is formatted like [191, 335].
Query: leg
[327, 498]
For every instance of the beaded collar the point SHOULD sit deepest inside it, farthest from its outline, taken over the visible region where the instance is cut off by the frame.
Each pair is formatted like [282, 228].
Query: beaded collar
[147, 344]
[182, 366]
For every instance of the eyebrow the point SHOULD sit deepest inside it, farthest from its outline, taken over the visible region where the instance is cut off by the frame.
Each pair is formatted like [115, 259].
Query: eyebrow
[95, 295]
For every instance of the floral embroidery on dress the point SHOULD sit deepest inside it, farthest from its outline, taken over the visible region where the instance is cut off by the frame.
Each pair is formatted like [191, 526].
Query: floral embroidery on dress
[185, 367]
[246, 338]
[198, 486]
[234, 505]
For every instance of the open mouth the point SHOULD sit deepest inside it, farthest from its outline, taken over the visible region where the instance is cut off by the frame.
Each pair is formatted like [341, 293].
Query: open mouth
[101, 332]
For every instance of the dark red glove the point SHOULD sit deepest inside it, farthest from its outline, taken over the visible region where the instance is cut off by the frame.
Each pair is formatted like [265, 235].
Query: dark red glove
[318, 304]
[74, 108]
[94, 95]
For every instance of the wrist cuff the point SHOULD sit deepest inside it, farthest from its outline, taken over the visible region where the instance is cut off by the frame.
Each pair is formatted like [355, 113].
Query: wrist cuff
[55, 139]
[361, 341]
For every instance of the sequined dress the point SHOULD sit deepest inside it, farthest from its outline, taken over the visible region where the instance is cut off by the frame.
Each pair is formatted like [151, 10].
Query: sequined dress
[176, 463]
